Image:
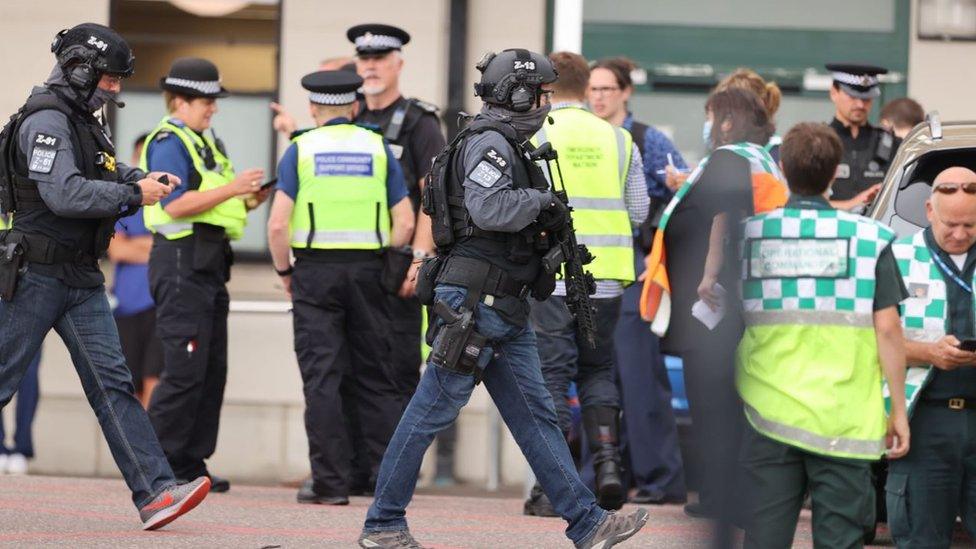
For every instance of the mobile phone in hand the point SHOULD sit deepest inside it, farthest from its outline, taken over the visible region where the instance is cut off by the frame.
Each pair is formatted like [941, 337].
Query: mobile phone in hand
[968, 345]
[269, 184]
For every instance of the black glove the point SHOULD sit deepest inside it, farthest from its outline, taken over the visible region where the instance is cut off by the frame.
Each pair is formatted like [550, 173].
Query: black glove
[554, 215]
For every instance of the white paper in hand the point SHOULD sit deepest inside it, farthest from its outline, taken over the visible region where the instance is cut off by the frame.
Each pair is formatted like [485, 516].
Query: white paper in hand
[705, 314]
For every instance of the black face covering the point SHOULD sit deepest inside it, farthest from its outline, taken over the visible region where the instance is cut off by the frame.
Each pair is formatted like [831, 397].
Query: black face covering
[526, 123]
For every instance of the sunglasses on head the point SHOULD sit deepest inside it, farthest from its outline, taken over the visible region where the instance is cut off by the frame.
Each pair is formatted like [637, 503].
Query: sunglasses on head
[950, 188]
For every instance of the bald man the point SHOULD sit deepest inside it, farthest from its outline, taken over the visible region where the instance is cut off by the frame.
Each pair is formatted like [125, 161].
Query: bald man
[936, 481]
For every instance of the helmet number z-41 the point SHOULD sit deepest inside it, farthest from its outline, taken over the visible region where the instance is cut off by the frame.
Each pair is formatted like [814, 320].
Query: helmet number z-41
[94, 41]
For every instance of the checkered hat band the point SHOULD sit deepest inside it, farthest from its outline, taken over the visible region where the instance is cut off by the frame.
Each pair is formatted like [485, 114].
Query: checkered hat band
[862, 80]
[203, 86]
[378, 41]
[332, 98]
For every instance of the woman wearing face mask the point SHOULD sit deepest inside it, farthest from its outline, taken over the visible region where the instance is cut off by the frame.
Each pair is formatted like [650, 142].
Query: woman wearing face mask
[704, 214]
[190, 264]
[650, 435]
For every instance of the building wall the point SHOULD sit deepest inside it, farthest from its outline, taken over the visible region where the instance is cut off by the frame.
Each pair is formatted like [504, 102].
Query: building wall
[940, 74]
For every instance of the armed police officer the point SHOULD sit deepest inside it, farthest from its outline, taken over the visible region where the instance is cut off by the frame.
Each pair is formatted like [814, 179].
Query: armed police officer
[604, 178]
[490, 205]
[60, 175]
[413, 130]
[342, 207]
[190, 264]
[868, 149]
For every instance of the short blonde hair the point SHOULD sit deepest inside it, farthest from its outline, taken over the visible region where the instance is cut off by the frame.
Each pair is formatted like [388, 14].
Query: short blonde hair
[328, 112]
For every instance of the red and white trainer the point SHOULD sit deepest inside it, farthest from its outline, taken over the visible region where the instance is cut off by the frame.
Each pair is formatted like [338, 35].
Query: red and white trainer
[173, 502]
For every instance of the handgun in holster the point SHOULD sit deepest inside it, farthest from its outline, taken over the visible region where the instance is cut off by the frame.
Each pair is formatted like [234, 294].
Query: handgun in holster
[11, 261]
[457, 346]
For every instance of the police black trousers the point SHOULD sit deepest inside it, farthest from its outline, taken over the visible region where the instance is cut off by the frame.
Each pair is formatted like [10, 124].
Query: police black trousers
[406, 325]
[341, 323]
[191, 321]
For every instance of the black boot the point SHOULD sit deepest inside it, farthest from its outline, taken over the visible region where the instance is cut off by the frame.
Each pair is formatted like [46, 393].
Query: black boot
[600, 423]
[538, 503]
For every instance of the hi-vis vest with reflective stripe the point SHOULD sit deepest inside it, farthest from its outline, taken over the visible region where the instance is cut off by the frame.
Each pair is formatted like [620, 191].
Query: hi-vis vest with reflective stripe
[808, 367]
[230, 214]
[925, 314]
[341, 202]
[594, 157]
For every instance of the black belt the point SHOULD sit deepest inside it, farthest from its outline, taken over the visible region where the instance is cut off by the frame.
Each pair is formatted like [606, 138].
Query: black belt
[461, 271]
[951, 403]
[41, 249]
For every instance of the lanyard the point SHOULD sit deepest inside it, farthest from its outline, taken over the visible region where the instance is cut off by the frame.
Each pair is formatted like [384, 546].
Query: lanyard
[948, 272]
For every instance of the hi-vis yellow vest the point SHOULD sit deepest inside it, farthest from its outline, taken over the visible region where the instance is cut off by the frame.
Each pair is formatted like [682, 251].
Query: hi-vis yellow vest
[341, 202]
[230, 214]
[594, 157]
[3, 223]
[808, 368]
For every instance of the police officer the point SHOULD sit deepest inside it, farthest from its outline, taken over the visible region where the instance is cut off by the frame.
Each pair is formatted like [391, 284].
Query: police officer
[60, 174]
[868, 149]
[820, 307]
[190, 264]
[485, 197]
[413, 130]
[341, 200]
[603, 174]
[936, 481]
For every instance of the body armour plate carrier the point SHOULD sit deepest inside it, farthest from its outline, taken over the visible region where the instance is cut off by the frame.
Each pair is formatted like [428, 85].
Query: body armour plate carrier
[95, 158]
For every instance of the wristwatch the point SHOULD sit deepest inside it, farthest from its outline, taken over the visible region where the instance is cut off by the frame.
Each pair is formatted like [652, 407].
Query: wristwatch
[420, 254]
[285, 272]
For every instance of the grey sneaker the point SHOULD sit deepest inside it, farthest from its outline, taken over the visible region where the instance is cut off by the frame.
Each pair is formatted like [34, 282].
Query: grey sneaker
[615, 529]
[390, 539]
[173, 502]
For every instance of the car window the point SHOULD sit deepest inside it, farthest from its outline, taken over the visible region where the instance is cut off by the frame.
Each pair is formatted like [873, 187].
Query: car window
[910, 207]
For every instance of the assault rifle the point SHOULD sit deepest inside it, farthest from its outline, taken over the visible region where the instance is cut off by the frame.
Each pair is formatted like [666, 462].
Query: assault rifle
[567, 251]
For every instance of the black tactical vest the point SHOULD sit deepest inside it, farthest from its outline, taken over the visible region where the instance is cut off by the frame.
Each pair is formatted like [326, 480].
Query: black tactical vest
[516, 253]
[95, 158]
[861, 168]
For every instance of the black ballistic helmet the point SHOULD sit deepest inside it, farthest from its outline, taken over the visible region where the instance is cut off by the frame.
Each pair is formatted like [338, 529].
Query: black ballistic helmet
[514, 78]
[87, 51]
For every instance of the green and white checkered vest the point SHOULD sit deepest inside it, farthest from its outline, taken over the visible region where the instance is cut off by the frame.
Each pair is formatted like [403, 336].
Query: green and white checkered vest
[808, 367]
[925, 314]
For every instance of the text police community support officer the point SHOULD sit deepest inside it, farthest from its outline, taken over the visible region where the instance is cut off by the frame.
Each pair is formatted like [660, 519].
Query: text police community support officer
[69, 190]
[341, 204]
[485, 197]
[190, 264]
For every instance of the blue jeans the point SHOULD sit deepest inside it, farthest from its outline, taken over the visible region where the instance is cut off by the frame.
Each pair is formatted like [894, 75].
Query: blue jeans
[27, 394]
[513, 377]
[83, 319]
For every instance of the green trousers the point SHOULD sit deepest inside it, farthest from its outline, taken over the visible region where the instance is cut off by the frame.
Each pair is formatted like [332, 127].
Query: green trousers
[936, 481]
[778, 476]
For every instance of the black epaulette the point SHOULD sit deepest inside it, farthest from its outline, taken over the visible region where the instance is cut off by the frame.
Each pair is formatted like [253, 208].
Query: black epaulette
[425, 106]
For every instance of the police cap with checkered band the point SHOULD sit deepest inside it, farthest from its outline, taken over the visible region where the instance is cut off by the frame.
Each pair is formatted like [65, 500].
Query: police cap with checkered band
[193, 77]
[859, 81]
[376, 38]
[332, 87]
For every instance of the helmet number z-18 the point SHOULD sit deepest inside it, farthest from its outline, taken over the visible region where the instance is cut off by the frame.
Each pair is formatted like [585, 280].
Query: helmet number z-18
[94, 41]
[527, 65]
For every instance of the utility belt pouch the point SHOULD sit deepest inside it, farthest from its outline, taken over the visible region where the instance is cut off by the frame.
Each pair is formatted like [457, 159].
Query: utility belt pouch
[543, 285]
[209, 248]
[11, 262]
[457, 346]
[396, 264]
[427, 279]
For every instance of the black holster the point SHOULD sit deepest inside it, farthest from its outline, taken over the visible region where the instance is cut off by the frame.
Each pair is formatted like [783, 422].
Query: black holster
[427, 279]
[396, 265]
[457, 346]
[11, 261]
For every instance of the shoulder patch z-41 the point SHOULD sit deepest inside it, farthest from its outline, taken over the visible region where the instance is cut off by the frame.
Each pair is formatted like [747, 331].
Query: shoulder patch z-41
[43, 153]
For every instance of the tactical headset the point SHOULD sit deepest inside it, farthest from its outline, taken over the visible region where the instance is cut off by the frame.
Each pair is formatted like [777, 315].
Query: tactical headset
[77, 63]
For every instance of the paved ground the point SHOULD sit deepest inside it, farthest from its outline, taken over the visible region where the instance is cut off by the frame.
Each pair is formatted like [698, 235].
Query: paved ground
[70, 512]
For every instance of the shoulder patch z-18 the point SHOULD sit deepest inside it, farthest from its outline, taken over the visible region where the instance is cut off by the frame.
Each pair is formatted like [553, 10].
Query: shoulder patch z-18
[492, 155]
[43, 153]
[485, 174]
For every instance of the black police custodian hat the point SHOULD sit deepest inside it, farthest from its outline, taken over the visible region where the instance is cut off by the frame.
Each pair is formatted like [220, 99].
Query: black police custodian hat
[193, 77]
[375, 38]
[332, 87]
[860, 81]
